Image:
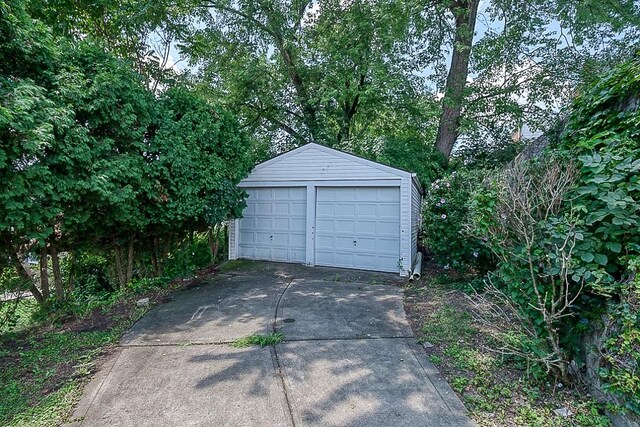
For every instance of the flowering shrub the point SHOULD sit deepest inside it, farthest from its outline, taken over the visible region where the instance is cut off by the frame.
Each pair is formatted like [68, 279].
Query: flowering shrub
[445, 215]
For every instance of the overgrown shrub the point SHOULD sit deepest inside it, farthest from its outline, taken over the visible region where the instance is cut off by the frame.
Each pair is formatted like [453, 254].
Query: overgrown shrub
[603, 133]
[444, 217]
[566, 229]
[621, 371]
[192, 254]
[522, 217]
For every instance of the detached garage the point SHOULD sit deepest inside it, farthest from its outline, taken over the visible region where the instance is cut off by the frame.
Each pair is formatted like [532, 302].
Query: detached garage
[319, 206]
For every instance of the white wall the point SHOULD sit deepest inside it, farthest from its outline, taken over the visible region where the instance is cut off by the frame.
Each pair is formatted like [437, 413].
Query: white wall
[416, 215]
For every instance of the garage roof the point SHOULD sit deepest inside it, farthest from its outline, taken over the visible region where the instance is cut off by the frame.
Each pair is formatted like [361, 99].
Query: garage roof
[312, 162]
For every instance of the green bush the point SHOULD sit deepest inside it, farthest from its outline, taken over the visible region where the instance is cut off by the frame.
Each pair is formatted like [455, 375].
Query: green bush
[566, 229]
[445, 215]
[603, 134]
[92, 276]
[191, 255]
[622, 348]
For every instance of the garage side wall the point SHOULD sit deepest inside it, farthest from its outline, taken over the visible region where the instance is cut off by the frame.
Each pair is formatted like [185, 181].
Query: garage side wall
[416, 219]
[233, 230]
[406, 260]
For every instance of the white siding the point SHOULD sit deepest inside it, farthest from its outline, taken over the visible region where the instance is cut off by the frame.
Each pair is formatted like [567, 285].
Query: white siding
[315, 164]
[232, 239]
[416, 216]
[405, 226]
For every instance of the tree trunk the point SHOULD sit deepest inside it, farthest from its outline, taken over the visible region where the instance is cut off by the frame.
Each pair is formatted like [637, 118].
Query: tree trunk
[155, 262]
[44, 274]
[120, 269]
[25, 273]
[465, 13]
[349, 109]
[130, 261]
[57, 275]
[304, 100]
[214, 242]
[73, 269]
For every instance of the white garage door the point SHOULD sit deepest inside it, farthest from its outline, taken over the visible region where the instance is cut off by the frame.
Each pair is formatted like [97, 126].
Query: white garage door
[274, 225]
[358, 227]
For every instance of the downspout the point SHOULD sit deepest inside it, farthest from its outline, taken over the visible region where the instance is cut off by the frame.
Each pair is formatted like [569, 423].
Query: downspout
[417, 270]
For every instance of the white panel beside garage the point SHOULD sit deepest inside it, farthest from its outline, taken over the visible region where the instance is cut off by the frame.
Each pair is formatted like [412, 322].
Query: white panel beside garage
[358, 227]
[274, 225]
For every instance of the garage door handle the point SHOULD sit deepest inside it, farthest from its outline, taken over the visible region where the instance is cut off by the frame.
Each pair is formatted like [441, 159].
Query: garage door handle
[271, 237]
[355, 243]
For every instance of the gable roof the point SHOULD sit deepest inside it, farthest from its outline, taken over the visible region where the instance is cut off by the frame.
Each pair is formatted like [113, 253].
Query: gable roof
[333, 152]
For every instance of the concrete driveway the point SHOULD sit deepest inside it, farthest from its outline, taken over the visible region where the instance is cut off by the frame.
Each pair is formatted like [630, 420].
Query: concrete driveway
[349, 357]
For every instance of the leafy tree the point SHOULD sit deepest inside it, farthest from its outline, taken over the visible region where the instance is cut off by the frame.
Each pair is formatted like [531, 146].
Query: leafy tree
[196, 156]
[305, 71]
[27, 115]
[94, 161]
[524, 63]
[98, 164]
[141, 32]
[464, 13]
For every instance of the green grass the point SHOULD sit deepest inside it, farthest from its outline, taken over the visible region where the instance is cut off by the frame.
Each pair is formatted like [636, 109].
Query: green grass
[19, 312]
[273, 338]
[448, 325]
[42, 370]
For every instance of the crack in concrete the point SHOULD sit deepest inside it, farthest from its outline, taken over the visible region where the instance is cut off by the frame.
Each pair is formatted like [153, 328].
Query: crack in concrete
[276, 360]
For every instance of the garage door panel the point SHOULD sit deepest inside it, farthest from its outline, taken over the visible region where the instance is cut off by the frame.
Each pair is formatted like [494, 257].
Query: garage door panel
[388, 211]
[280, 254]
[388, 194]
[281, 208]
[250, 209]
[368, 210]
[298, 240]
[247, 237]
[388, 228]
[344, 226]
[369, 216]
[262, 237]
[280, 239]
[324, 225]
[324, 242]
[365, 226]
[299, 209]
[264, 208]
[344, 194]
[324, 209]
[298, 224]
[367, 244]
[246, 223]
[281, 223]
[344, 210]
[262, 223]
[262, 253]
[274, 225]
[343, 242]
[281, 193]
